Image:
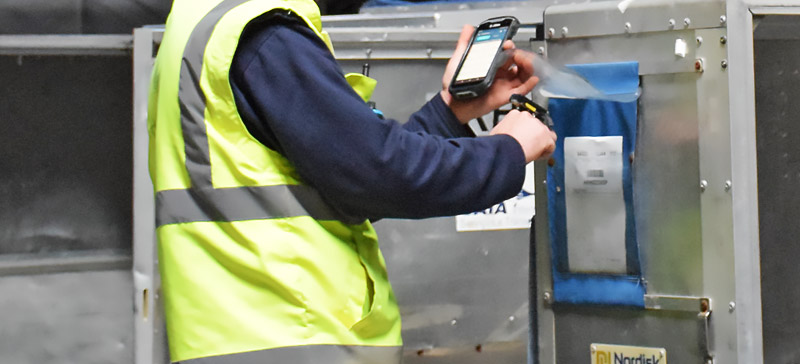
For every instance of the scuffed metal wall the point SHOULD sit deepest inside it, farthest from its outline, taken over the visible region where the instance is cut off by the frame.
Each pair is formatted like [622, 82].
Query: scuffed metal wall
[65, 185]
[65, 209]
[80, 317]
[777, 84]
[463, 295]
[65, 137]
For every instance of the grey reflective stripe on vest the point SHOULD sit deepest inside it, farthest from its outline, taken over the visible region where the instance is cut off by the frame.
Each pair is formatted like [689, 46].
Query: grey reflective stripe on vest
[242, 203]
[191, 97]
[203, 202]
[311, 354]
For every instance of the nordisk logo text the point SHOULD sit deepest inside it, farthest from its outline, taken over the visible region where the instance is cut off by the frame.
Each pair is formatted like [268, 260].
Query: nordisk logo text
[604, 357]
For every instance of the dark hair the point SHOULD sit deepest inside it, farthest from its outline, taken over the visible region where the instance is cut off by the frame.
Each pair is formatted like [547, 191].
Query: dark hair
[332, 7]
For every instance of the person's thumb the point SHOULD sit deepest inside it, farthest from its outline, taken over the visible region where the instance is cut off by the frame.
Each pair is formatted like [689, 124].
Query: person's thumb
[463, 39]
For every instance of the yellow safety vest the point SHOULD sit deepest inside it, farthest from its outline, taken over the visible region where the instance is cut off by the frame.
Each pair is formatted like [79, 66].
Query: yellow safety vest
[254, 264]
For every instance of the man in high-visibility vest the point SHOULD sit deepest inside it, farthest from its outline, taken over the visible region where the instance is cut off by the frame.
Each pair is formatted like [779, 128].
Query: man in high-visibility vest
[268, 164]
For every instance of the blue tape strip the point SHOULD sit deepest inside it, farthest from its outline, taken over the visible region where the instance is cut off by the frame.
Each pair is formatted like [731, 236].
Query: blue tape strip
[595, 118]
[611, 78]
[587, 289]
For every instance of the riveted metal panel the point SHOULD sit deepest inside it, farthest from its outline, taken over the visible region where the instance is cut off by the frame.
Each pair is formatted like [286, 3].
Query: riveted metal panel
[681, 224]
[744, 188]
[716, 199]
[405, 44]
[577, 328]
[542, 343]
[666, 172]
[666, 200]
[666, 187]
[593, 19]
[655, 52]
[419, 35]
[457, 289]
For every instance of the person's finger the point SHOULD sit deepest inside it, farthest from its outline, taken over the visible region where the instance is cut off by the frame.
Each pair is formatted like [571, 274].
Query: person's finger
[508, 69]
[461, 47]
[526, 86]
[525, 61]
[463, 40]
[508, 44]
[552, 147]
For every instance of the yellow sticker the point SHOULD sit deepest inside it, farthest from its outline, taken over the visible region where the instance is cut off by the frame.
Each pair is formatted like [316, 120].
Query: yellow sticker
[619, 354]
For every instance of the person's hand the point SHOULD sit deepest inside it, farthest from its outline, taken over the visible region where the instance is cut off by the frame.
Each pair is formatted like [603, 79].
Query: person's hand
[536, 139]
[514, 77]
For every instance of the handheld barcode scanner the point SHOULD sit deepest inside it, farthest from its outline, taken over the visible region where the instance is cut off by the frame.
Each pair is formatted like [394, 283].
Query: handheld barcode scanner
[483, 57]
[523, 103]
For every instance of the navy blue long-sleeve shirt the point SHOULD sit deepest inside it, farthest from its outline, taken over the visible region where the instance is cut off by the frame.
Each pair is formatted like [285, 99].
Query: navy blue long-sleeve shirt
[293, 98]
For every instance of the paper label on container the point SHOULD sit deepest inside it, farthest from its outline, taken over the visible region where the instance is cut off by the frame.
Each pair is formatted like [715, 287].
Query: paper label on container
[514, 213]
[613, 354]
[595, 204]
